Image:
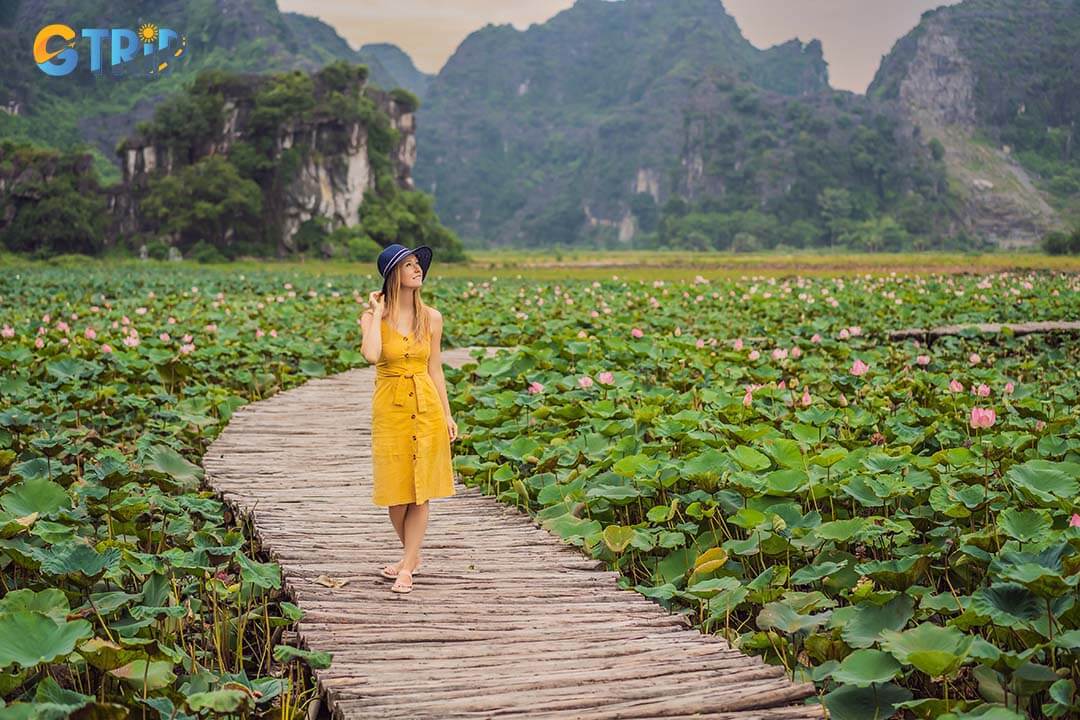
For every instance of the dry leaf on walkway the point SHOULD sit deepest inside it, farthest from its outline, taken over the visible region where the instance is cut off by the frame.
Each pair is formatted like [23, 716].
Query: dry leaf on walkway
[327, 581]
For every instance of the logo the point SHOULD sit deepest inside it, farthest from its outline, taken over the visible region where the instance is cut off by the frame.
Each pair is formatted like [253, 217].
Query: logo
[159, 49]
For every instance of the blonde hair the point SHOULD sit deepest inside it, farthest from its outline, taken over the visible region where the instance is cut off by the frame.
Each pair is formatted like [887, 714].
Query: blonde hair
[421, 322]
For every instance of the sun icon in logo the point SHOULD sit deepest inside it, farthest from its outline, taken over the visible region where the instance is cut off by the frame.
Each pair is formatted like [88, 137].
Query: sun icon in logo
[148, 33]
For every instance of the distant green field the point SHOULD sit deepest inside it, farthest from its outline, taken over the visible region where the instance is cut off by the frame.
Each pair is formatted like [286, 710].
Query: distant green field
[660, 265]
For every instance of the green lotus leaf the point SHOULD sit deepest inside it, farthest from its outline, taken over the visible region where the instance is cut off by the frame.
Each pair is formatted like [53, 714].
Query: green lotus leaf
[849, 702]
[30, 638]
[1008, 605]
[863, 668]
[1046, 481]
[813, 573]
[932, 649]
[261, 575]
[1025, 525]
[618, 537]
[861, 625]
[840, 530]
[219, 701]
[896, 574]
[782, 618]
[50, 601]
[38, 495]
[317, 660]
[750, 459]
[164, 460]
[77, 558]
[148, 674]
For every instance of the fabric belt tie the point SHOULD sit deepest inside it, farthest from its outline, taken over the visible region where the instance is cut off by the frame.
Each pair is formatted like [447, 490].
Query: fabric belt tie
[404, 380]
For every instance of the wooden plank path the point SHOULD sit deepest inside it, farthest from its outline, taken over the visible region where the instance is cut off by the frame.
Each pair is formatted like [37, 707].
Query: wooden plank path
[504, 620]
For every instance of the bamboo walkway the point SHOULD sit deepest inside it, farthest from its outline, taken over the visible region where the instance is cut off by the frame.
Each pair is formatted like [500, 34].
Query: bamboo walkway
[505, 619]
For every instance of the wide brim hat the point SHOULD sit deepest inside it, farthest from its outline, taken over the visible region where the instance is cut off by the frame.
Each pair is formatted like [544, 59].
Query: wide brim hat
[394, 253]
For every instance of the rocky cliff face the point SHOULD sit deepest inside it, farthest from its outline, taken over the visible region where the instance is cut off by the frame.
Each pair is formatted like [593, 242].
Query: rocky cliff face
[937, 95]
[330, 162]
[947, 85]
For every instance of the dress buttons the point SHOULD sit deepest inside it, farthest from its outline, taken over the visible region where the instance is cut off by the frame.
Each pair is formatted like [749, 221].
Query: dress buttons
[410, 394]
[406, 354]
[413, 416]
[413, 437]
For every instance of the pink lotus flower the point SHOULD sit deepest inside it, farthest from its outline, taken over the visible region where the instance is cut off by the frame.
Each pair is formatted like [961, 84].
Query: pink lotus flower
[843, 400]
[46, 318]
[700, 343]
[636, 332]
[1009, 388]
[186, 338]
[844, 334]
[585, 381]
[187, 348]
[815, 338]
[39, 343]
[582, 334]
[273, 333]
[974, 358]
[164, 337]
[62, 326]
[748, 399]
[781, 385]
[983, 390]
[90, 333]
[1040, 425]
[779, 354]
[796, 352]
[806, 398]
[7, 331]
[63, 341]
[1074, 521]
[535, 387]
[855, 330]
[956, 386]
[923, 359]
[211, 328]
[754, 355]
[106, 348]
[140, 311]
[172, 320]
[859, 368]
[738, 345]
[131, 341]
[606, 378]
[982, 417]
[258, 333]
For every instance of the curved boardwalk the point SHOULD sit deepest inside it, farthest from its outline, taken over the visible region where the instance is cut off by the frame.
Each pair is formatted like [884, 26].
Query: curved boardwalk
[505, 620]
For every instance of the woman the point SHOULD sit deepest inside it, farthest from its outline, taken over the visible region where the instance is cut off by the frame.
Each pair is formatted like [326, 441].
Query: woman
[411, 427]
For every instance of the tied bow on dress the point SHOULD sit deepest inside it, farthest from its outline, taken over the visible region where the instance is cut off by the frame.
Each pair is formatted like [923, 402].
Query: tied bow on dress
[404, 380]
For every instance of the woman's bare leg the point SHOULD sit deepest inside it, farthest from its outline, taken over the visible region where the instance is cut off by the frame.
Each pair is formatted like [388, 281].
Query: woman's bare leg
[397, 518]
[416, 521]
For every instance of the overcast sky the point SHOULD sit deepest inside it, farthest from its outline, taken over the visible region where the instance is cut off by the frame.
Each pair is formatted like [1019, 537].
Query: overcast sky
[854, 33]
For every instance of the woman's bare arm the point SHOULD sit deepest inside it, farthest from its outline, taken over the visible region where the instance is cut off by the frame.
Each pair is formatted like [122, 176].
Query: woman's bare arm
[371, 343]
[435, 368]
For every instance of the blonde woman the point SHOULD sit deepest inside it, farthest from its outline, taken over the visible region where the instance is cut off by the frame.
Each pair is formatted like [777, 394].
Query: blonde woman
[411, 426]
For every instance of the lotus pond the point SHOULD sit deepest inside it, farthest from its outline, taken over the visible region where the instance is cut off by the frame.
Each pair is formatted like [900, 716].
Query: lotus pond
[896, 522]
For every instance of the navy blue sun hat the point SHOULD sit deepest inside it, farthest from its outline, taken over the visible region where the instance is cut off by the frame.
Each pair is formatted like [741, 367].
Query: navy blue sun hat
[394, 253]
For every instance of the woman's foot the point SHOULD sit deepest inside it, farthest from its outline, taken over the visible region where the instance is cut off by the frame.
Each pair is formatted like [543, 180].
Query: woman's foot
[404, 582]
[391, 571]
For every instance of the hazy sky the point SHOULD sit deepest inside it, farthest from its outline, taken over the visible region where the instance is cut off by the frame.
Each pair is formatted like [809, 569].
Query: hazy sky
[854, 33]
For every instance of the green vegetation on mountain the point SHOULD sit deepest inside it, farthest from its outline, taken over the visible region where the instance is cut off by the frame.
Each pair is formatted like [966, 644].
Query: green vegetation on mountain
[80, 111]
[658, 121]
[1026, 90]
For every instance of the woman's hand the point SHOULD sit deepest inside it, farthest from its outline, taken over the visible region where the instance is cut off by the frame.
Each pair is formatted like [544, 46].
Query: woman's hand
[452, 427]
[375, 302]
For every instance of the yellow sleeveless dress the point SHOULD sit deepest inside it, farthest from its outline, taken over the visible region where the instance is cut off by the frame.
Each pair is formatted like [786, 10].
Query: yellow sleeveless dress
[410, 441]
